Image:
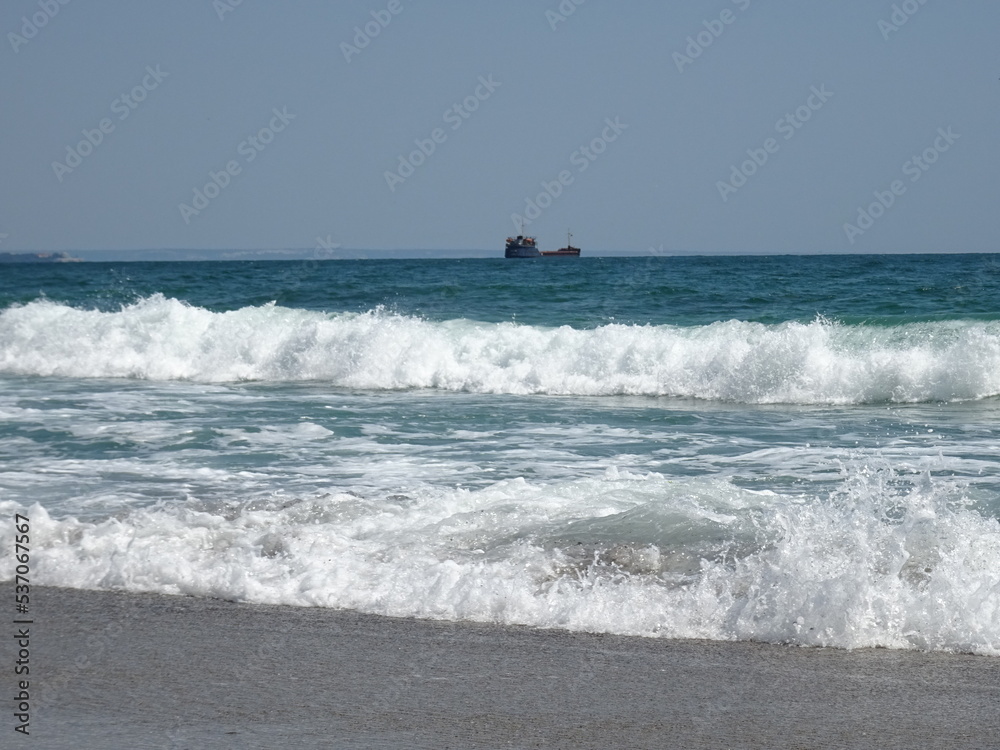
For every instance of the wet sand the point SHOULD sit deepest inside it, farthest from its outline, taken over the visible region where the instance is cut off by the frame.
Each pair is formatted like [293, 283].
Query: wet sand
[115, 670]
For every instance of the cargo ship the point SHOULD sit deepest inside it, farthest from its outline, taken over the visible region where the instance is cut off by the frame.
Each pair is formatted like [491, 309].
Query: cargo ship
[527, 247]
[568, 251]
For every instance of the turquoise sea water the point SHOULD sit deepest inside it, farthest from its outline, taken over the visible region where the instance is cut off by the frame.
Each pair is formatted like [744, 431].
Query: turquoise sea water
[796, 449]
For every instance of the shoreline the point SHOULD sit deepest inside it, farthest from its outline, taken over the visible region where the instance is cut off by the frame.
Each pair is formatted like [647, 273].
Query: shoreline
[116, 669]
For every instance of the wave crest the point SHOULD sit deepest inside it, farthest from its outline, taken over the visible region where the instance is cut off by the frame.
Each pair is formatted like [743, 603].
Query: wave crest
[818, 362]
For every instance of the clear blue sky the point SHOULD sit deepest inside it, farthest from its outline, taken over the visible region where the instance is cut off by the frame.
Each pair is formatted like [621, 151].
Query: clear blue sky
[885, 91]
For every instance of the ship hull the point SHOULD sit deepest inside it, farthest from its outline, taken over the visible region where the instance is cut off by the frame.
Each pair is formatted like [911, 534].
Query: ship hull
[522, 252]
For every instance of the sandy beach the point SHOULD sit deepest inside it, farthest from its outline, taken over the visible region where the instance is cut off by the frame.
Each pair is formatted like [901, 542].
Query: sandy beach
[118, 670]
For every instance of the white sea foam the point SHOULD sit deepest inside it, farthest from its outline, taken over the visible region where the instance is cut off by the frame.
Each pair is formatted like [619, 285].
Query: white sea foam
[878, 562]
[818, 362]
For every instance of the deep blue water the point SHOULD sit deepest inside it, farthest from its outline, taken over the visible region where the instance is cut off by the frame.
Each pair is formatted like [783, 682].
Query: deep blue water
[582, 292]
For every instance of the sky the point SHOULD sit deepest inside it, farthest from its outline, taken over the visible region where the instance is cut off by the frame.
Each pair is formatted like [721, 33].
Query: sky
[703, 126]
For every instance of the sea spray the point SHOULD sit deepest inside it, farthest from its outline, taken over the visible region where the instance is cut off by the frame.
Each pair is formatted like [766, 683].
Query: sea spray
[878, 561]
[821, 362]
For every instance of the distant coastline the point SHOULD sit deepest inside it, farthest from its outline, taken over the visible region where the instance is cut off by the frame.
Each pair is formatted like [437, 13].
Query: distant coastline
[38, 258]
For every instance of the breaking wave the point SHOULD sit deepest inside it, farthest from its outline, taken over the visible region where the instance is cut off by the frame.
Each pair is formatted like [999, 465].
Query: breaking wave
[819, 362]
[876, 562]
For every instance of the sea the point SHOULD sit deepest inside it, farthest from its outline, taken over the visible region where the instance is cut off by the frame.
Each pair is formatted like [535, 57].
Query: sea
[785, 449]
